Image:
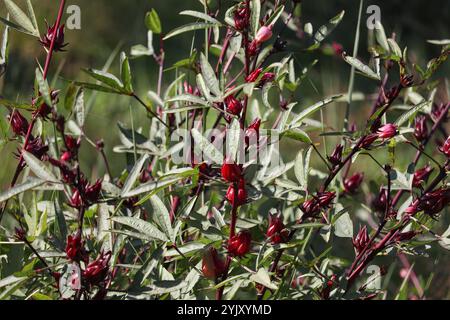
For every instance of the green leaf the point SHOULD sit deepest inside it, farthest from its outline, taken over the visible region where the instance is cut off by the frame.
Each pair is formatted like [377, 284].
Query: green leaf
[298, 135]
[255, 8]
[39, 168]
[153, 22]
[187, 28]
[344, 226]
[361, 67]
[262, 277]
[208, 149]
[144, 227]
[125, 73]
[411, 114]
[134, 174]
[44, 88]
[189, 98]
[210, 76]
[380, 34]
[106, 78]
[200, 15]
[162, 216]
[311, 110]
[29, 184]
[325, 30]
[22, 20]
[70, 97]
[4, 51]
[79, 108]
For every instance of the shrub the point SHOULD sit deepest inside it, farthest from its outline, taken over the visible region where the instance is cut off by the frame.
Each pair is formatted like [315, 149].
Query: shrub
[209, 206]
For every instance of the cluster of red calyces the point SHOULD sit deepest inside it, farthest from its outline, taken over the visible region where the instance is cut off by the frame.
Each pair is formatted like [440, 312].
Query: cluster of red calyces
[213, 265]
[317, 203]
[59, 44]
[240, 244]
[277, 232]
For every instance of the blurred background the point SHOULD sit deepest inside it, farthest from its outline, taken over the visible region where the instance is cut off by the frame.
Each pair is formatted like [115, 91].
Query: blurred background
[106, 24]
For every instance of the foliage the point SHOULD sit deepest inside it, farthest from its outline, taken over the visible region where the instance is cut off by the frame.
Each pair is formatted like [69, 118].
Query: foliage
[217, 222]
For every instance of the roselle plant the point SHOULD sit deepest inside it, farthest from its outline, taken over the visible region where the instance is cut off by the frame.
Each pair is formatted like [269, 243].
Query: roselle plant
[208, 206]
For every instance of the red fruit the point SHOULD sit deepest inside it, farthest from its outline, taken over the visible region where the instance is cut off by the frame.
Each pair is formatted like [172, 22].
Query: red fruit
[242, 194]
[240, 244]
[421, 128]
[231, 172]
[336, 157]
[19, 124]
[277, 233]
[234, 106]
[97, 271]
[213, 266]
[75, 250]
[352, 184]
[421, 176]
[252, 133]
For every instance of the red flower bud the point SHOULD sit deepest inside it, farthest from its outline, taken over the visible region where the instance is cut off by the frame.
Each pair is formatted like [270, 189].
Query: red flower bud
[19, 124]
[369, 140]
[434, 202]
[254, 75]
[361, 240]
[242, 194]
[252, 133]
[264, 34]
[213, 266]
[277, 232]
[352, 184]
[231, 172]
[240, 244]
[66, 156]
[241, 18]
[97, 271]
[337, 48]
[421, 176]
[326, 198]
[92, 192]
[46, 40]
[253, 48]
[234, 106]
[387, 132]
[336, 157]
[421, 129]
[445, 149]
[75, 249]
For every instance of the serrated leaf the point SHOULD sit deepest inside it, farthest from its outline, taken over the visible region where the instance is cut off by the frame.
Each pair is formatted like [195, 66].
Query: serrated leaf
[29, 184]
[189, 27]
[209, 76]
[343, 226]
[105, 78]
[324, 31]
[22, 20]
[142, 226]
[162, 216]
[262, 277]
[134, 174]
[255, 8]
[207, 148]
[44, 88]
[79, 108]
[361, 67]
[200, 15]
[311, 110]
[39, 168]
